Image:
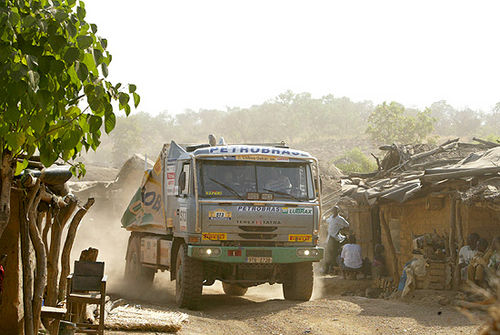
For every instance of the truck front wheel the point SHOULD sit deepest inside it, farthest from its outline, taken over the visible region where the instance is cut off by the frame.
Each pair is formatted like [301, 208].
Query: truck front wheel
[298, 281]
[234, 290]
[188, 280]
[135, 272]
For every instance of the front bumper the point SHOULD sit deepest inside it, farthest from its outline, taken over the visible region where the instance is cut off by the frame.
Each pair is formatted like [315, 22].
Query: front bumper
[279, 255]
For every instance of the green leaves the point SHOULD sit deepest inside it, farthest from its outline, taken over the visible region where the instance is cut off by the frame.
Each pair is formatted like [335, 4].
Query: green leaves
[137, 99]
[50, 60]
[20, 166]
[109, 122]
[84, 41]
[15, 140]
[82, 71]
[71, 55]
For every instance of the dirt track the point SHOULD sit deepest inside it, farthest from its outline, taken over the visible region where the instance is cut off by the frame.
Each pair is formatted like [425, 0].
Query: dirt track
[263, 311]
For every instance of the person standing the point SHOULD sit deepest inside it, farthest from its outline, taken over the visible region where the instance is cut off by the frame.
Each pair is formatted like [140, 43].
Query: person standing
[336, 223]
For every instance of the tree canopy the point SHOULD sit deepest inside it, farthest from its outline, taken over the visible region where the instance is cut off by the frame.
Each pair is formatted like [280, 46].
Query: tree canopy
[393, 123]
[54, 95]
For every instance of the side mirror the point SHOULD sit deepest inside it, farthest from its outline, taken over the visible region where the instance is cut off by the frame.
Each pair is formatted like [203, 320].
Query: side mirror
[182, 182]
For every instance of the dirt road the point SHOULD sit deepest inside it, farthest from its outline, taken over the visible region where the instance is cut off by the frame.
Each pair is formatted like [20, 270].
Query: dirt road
[263, 311]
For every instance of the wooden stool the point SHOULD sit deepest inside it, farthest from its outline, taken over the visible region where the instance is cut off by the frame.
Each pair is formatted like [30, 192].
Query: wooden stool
[55, 313]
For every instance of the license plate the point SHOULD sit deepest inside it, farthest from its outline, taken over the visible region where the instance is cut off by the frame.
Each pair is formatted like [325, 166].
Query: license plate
[214, 236]
[253, 259]
[299, 238]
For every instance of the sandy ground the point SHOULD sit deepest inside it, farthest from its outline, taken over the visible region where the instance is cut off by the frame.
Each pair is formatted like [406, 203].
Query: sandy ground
[263, 311]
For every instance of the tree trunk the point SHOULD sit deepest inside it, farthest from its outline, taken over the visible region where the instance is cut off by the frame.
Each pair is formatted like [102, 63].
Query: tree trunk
[68, 244]
[6, 174]
[27, 271]
[46, 228]
[41, 263]
[55, 247]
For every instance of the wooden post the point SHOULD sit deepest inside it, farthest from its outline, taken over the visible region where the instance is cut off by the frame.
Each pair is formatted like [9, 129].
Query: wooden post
[54, 251]
[68, 244]
[27, 271]
[460, 230]
[392, 249]
[453, 228]
[46, 228]
[41, 261]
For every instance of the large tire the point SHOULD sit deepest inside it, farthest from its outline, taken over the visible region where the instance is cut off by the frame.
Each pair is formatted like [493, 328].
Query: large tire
[189, 280]
[135, 272]
[298, 281]
[234, 290]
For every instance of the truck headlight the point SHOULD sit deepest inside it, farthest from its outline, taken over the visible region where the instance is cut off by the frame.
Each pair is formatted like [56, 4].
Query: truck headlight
[304, 252]
[207, 252]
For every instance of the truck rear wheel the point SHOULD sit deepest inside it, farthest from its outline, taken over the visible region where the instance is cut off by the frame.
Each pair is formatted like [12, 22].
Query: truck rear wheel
[189, 280]
[298, 281]
[234, 290]
[135, 272]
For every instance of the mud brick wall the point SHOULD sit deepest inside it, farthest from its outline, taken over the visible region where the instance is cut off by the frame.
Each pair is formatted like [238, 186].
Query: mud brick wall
[361, 224]
[481, 219]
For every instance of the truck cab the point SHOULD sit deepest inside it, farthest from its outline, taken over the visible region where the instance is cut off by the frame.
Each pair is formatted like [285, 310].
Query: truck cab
[242, 214]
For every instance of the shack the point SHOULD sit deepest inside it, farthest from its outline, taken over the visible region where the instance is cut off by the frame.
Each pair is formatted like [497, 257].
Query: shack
[435, 196]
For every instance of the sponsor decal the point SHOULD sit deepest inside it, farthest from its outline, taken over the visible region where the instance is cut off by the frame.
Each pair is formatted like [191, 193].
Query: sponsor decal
[213, 193]
[157, 167]
[299, 238]
[219, 214]
[297, 211]
[259, 222]
[183, 218]
[256, 151]
[214, 236]
[265, 209]
[261, 158]
[170, 179]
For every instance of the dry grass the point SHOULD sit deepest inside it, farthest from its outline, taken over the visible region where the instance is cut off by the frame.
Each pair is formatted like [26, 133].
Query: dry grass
[144, 319]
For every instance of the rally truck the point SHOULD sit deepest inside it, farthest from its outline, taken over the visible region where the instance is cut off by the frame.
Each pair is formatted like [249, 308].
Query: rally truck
[242, 214]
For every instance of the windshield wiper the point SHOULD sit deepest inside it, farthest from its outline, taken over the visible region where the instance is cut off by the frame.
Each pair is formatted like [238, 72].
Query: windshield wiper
[229, 188]
[282, 193]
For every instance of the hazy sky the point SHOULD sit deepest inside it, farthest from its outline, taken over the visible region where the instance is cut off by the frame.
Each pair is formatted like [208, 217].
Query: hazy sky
[212, 54]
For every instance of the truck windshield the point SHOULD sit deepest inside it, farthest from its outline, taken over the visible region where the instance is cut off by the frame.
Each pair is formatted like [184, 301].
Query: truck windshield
[219, 179]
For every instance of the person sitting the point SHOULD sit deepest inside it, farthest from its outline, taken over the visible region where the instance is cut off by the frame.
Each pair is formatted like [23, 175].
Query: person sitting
[351, 259]
[477, 267]
[378, 265]
[494, 259]
[466, 253]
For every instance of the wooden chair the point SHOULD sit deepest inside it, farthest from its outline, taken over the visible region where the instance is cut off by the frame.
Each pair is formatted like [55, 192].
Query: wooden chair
[87, 285]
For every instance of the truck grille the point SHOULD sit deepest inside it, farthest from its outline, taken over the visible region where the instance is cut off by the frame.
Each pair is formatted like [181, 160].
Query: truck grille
[259, 253]
[253, 236]
[258, 229]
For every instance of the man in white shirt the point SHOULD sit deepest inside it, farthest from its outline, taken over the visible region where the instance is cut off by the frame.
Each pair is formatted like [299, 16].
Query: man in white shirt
[335, 238]
[351, 255]
[466, 253]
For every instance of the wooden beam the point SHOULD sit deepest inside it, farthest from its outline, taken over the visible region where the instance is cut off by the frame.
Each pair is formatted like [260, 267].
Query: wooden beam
[486, 143]
[68, 245]
[392, 249]
[459, 174]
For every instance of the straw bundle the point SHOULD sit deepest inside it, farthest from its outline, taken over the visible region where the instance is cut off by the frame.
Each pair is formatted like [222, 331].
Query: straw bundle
[144, 319]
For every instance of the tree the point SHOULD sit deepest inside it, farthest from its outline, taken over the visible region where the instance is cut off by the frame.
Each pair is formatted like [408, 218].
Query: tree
[54, 95]
[355, 161]
[391, 123]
